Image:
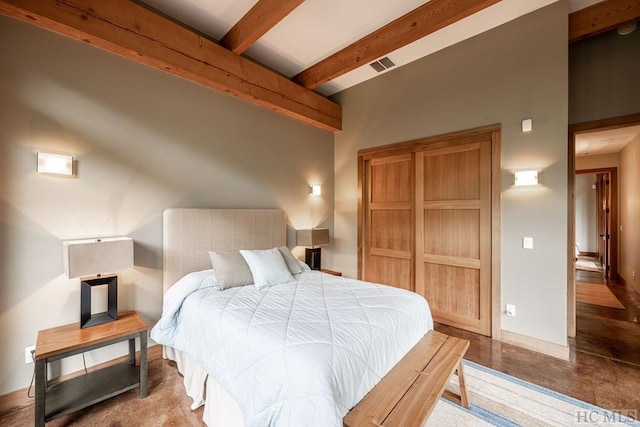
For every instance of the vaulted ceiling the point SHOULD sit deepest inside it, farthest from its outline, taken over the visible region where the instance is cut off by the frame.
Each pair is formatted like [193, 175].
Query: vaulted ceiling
[287, 55]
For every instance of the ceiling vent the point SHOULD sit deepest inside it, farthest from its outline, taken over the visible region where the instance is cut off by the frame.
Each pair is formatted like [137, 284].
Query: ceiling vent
[382, 64]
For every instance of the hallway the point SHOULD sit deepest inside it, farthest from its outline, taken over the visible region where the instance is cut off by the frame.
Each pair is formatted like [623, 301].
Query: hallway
[605, 331]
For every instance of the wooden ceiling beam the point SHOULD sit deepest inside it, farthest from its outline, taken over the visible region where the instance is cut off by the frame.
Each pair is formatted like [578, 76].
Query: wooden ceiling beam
[601, 17]
[130, 30]
[263, 16]
[422, 21]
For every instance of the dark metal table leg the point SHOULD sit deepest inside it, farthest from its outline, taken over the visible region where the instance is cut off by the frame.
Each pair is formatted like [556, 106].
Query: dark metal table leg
[143, 365]
[41, 386]
[132, 351]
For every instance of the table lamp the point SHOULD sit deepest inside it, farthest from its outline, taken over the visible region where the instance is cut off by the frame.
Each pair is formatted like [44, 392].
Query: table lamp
[89, 259]
[313, 237]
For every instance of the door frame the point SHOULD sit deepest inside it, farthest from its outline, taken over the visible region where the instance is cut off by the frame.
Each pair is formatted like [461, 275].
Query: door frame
[493, 132]
[575, 129]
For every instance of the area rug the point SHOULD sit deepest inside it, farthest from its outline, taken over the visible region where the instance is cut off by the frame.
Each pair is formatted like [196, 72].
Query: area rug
[587, 265]
[498, 399]
[596, 294]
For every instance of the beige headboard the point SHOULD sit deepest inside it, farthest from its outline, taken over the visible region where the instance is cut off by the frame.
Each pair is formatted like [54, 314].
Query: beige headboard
[189, 234]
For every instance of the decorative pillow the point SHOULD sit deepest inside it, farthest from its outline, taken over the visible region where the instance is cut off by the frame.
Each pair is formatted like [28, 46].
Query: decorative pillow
[267, 267]
[290, 260]
[231, 269]
[303, 265]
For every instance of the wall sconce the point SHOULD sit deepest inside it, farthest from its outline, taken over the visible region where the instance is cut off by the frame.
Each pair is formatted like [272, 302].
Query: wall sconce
[56, 164]
[92, 257]
[526, 178]
[316, 190]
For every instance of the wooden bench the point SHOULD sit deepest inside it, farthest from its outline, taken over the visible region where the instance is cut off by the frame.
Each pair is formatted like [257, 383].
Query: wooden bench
[407, 395]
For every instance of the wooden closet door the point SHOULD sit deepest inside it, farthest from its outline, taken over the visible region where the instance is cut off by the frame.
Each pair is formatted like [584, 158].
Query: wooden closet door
[389, 221]
[453, 234]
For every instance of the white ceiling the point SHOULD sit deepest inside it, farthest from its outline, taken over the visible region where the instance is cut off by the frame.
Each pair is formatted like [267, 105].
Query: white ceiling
[605, 141]
[319, 28]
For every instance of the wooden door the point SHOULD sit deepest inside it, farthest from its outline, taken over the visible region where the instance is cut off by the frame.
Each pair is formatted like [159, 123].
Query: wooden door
[453, 233]
[389, 221]
[604, 221]
[600, 218]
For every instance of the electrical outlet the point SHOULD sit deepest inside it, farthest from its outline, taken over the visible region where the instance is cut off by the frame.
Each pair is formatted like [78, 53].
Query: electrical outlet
[28, 354]
[511, 310]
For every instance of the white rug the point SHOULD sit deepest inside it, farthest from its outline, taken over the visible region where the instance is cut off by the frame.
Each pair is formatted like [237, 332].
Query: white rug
[498, 399]
[588, 265]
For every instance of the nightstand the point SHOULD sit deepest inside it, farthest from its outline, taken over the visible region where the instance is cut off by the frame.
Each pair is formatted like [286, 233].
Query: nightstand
[335, 273]
[64, 397]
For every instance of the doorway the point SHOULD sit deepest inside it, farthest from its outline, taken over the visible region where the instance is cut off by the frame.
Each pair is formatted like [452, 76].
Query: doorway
[596, 221]
[603, 308]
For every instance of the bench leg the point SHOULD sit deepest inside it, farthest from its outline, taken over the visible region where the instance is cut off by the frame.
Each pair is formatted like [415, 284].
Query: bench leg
[464, 398]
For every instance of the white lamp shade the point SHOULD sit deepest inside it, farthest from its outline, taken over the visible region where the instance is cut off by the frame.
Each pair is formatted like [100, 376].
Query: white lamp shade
[97, 256]
[313, 237]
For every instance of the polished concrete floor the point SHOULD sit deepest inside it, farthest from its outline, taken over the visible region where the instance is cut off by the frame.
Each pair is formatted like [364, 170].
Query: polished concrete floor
[604, 371]
[605, 355]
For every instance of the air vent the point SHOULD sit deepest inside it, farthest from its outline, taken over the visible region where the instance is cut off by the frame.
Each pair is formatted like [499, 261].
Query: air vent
[382, 64]
[387, 62]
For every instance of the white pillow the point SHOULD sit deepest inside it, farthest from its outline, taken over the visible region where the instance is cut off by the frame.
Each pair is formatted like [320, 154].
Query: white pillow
[290, 260]
[267, 267]
[303, 266]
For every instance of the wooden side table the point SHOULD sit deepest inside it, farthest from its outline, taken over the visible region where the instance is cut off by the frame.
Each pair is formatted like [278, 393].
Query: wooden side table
[335, 273]
[64, 397]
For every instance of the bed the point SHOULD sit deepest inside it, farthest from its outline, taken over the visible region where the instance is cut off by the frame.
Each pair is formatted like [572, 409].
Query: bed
[301, 352]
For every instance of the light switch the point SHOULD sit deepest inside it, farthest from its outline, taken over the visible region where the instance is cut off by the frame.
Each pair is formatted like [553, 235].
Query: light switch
[527, 242]
[527, 125]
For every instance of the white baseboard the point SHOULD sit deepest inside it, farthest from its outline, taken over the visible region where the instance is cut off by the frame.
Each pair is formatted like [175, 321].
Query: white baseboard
[536, 344]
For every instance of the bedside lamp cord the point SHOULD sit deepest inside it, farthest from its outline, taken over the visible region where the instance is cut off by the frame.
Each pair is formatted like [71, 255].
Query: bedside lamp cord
[33, 376]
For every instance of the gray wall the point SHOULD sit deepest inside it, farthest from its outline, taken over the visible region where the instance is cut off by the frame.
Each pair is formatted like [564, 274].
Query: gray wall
[629, 252]
[603, 77]
[585, 202]
[144, 141]
[513, 72]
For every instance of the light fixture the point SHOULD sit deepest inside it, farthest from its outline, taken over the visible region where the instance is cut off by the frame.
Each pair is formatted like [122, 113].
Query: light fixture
[316, 190]
[627, 28]
[313, 237]
[527, 125]
[56, 164]
[526, 178]
[93, 257]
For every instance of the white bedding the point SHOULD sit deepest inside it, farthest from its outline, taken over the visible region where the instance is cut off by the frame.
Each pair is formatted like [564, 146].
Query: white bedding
[297, 354]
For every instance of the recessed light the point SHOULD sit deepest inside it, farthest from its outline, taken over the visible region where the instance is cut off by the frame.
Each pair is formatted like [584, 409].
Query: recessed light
[627, 28]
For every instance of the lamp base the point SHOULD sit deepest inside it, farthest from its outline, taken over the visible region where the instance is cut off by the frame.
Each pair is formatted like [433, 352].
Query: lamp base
[312, 258]
[86, 285]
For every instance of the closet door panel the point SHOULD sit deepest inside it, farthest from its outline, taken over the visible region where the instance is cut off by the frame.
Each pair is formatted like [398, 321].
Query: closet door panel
[449, 231]
[389, 270]
[453, 235]
[389, 221]
[457, 303]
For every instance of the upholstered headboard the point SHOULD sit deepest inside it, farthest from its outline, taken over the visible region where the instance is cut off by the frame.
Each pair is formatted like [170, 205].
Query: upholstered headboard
[189, 234]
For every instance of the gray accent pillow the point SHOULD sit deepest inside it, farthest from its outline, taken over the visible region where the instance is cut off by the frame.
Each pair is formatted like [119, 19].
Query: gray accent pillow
[231, 270]
[291, 261]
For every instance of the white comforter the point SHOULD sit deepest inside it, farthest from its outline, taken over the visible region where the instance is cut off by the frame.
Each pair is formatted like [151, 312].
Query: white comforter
[297, 354]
